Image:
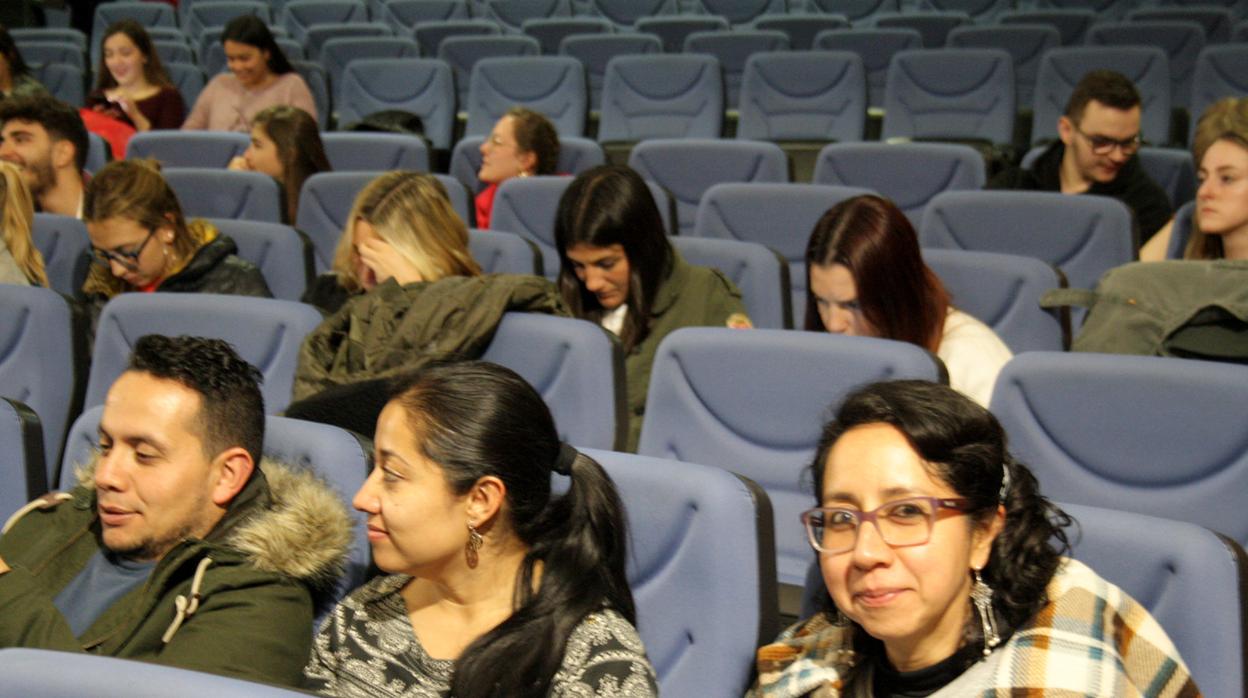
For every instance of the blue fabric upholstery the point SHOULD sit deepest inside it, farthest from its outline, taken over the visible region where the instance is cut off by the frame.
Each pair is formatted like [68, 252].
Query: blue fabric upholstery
[695, 411]
[1084, 236]
[23, 474]
[950, 93]
[854, 10]
[49, 33]
[173, 52]
[661, 96]
[1173, 170]
[37, 360]
[188, 78]
[431, 34]
[1072, 23]
[500, 252]
[672, 30]
[320, 34]
[39, 52]
[1025, 44]
[1220, 71]
[265, 332]
[526, 206]
[298, 15]
[371, 152]
[1152, 435]
[63, 242]
[337, 52]
[213, 193]
[980, 11]
[512, 14]
[740, 13]
[876, 47]
[404, 15]
[1217, 21]
[908, 173]
[64, 82]
[733, 49]
[761, 275]
[424, 87]
[701, 568]
[1002, 291]
[1104, 10]
[801, 28]
[318, 84]
[278, 250]
[1182, 40]
[687, 168]
[576, 366]
[201, 15]
[806, 95]
[780, 216]
[148, 14]
[551, 85]
[463, 52]
[596, 50]
[551, 31]
[625, 14]
[460, 201]
[1181, 230]
[934, 27]
[324, 204]
[188, 148]
[1062, 68]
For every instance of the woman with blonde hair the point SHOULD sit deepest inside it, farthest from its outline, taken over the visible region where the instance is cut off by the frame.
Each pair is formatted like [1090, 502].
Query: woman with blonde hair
[401, 227]
[20, 261]
[140, 240]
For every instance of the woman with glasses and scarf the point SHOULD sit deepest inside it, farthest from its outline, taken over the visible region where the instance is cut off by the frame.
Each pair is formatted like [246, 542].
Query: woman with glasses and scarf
[140, 241]
[945, 570]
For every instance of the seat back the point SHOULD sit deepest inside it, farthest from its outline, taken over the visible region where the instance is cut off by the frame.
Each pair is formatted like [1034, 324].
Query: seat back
[733, 49]
[876, 47]
[950, 93]
[980, 11]
[500, 252]
[40, 52]
[1152, 435]
[1025, 43]
[1003, 291]
[1103, 10]
[1062, 68]
[551, 31]
[324, 204]
[337, 52]
[512, 14]
[201, 15]
[370, 152]
[463, 52]
[147, 14]
[1173, 170]
[808, 95]
[424, 87]
[266, 332]
[761, 275]
[431, 34]
[527, 206]
[1181, 40]
[801, 27]
[1216, 21]
[1084, 236]
[854, 10]
[1220, 71]
[1072, 23]
[624, 14]
[404, 15]
[780, 216]
[688, 167]
[280, 253]
[64, 82]
[661, 96]
[23, 474]
[318, 84]
[320, 34]
[23, 34]
[595, 51]
[213, 193]
[63, 242]
[672, 31]
[576, 366]
[693, 414]
[575, 156]
[551, 85]
[934, 27]
[37, 363]
[741, 13]
[701, 568]
[203, 149]
[298, 15]
[188, 78]
[1181, 231]
[909, 174]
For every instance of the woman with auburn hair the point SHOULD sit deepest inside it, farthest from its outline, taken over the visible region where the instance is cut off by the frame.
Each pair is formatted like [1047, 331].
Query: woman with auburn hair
[944, 570]
[132, 85]
[522, 143]
[140, 240]
[402, 226]
[495, 585]
[285, 145]
[20, 261]
[865, 276]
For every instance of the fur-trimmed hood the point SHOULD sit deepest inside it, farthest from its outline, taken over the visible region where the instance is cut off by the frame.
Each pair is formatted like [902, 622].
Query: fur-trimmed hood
[285, 520]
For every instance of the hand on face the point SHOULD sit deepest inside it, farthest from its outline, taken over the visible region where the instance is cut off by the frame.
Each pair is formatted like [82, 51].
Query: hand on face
[385, 262]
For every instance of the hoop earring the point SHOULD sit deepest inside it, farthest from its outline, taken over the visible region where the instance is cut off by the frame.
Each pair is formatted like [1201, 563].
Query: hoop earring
[474, 544]
[981, 596]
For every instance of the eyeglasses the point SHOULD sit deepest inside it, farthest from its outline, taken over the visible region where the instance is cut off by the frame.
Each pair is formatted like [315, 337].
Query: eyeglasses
[1102, 145]
[127, 259]
[902, 522]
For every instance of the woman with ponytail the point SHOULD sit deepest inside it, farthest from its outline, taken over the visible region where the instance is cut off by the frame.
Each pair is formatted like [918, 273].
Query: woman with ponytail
[959, 586]
[496, 586]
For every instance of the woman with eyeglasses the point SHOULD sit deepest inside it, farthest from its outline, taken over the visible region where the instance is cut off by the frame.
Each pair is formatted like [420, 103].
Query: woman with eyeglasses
[521, 144]
[945, 572]
[141, 242]
[865, 277]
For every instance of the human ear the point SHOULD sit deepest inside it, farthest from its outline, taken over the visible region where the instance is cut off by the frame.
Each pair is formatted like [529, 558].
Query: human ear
[1065, 130]
[983, 535]
[232, 468]
[484, 500]
[63, 154]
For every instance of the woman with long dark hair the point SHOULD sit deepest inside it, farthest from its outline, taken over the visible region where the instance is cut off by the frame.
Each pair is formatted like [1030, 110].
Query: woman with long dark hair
[131, 84]
[285, 145]
[866, 277]
[945, 572]
[16, 80]
[260, 76]
[496, 586]
[618, 269]
[521, 144]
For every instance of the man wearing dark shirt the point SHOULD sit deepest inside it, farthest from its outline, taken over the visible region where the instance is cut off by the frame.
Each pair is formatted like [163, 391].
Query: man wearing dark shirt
[1099, 136]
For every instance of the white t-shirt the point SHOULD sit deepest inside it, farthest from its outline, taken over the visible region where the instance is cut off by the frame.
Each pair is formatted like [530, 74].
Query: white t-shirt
[974, 355]
[613, 320]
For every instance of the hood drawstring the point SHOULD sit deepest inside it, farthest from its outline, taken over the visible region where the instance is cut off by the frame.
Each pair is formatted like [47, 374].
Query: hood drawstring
[44, 502]
[187, 609]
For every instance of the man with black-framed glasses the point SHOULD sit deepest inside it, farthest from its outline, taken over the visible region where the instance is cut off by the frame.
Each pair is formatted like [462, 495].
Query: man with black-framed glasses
[1099, 136]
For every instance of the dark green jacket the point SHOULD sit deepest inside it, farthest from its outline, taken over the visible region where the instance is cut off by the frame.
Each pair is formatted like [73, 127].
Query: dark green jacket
[283, 536]
[690, 296]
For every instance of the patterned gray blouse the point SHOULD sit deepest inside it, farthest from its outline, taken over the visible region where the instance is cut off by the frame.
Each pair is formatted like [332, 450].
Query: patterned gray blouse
[367, 649]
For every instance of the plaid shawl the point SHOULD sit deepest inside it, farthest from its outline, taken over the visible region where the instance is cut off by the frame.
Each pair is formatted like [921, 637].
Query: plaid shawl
[1090, 640]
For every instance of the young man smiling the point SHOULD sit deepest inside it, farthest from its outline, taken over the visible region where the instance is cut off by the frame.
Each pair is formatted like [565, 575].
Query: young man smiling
[47, 140]
[176, 547]
[1099, 136]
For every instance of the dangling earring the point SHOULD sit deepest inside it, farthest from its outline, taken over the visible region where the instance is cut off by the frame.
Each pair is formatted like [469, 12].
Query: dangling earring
[474, 544]
[981, 596]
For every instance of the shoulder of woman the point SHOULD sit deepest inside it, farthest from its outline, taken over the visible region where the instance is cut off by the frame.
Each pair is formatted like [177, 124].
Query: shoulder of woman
[604, 655]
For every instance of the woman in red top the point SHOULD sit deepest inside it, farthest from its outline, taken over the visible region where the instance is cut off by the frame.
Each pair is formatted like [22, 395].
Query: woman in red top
[523, 143]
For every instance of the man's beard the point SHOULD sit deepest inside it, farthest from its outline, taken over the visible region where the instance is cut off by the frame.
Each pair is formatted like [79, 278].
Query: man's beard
[41, 177]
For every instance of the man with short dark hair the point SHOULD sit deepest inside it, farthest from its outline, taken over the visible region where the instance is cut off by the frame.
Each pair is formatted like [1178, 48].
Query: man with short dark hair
[1098, 138]
[48, 141]
[175, 547]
